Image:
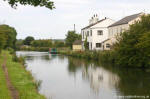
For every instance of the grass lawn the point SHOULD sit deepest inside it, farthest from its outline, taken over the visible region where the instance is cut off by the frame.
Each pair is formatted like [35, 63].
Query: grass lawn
[20, 78]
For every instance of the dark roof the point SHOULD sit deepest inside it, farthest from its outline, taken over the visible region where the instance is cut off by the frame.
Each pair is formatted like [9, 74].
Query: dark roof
[93, 24]
[77, 42]
[125, 20]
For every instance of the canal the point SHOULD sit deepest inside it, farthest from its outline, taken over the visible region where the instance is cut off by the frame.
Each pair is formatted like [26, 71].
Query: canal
[64, 77]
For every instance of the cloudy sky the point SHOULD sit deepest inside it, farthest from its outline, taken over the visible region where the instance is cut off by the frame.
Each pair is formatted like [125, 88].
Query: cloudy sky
[43, 23]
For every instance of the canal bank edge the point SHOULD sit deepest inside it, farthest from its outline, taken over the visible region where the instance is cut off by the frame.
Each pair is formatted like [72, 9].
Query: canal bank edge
[20, 78]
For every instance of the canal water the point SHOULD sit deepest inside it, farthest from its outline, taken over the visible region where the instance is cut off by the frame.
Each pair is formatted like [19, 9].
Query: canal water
[65, 77]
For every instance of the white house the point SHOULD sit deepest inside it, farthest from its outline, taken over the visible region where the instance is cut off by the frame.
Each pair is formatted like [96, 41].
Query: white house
[119, 27]
[96, 32]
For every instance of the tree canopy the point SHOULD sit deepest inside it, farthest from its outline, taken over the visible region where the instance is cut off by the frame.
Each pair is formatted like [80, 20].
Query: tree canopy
[42, 3]
[71, 37]
[28, 40]
[133, 47]
[7, 36]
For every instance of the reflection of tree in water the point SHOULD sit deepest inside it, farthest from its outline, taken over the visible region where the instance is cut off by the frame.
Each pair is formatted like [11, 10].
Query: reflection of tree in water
[132, 81]
[124, 81]
[75, 64]
[45, 57]
[96, 76]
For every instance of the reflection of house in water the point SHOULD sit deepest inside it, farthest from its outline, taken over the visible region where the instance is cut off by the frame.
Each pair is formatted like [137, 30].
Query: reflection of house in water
[100, 78]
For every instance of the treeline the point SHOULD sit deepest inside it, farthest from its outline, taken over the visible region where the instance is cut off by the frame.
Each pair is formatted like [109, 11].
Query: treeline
[7, 37]
[30, 44]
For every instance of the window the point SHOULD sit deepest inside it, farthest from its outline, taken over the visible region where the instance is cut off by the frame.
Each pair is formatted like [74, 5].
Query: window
[98, 44]
[121, 30]
[107, 45]
[117, 30]
[99, 32]
[87, 33]
[91, 32]
[83, 34]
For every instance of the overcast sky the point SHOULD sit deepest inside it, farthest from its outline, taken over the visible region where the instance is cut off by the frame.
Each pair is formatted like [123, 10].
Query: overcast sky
[43, 23]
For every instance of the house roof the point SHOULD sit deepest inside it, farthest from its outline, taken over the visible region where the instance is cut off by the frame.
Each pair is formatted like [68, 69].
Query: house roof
[126, 20]
[93, 24]
[77, 42]
[105, 40]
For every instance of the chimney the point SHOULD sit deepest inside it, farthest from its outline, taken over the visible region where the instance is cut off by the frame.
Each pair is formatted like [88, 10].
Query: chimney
[94, 19]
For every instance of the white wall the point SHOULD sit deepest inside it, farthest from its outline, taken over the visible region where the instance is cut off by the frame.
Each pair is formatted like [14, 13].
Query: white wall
[95, 38]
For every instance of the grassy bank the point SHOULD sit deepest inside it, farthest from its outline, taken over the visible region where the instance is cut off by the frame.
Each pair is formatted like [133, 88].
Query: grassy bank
[103, 56]
[20, 78]
[4, 93]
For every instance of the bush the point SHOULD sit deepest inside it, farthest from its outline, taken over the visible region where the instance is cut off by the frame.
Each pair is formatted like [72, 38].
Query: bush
[133, 48]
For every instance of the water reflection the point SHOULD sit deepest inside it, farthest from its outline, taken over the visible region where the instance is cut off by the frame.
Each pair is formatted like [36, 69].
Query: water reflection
[98, 77]
[70, 78]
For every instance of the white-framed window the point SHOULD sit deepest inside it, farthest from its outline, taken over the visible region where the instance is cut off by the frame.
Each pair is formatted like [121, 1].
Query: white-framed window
[98, 45]
[83, 34]
[107, 45]
[121, 30]
[91, 32]
[87, 33]
[99, 32]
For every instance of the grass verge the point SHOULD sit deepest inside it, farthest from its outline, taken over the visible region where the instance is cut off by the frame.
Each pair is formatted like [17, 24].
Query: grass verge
[21, 79]
[4, 92]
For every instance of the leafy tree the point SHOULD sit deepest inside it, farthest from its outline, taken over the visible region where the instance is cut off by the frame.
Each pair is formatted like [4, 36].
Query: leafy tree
[19, 43]
[28, 40]
[58, 44]
[133, 47]
[71, 37]
[9, 35]
[42, 3]
[2, 40]
[86, 44]
[41, 43]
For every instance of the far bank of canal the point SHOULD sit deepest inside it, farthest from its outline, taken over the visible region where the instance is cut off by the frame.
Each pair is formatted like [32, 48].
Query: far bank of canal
[64, 77]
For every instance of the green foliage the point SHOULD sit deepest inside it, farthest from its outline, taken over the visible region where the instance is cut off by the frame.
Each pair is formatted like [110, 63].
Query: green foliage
[71, 37]
[8, 36]
[41, 43]
[28, 40]
[2, 40]
[58, 44]
[133, 47]
[18, 44]
[86, 44]
[42, 3]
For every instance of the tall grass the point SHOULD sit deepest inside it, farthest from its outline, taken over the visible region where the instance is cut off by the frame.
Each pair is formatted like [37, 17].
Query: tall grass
[102, 56]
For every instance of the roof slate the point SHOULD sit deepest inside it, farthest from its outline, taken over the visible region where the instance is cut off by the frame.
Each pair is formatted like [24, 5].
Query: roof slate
[77, 42]
[126, 20]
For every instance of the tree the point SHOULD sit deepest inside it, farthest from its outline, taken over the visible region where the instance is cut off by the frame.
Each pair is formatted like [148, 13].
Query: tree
[28, 40]
[9, 35]
[42, 3]
[133, 47]
[58, 44]
[2, 40]
[86, 44]
[41, 43]
[71, 37]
